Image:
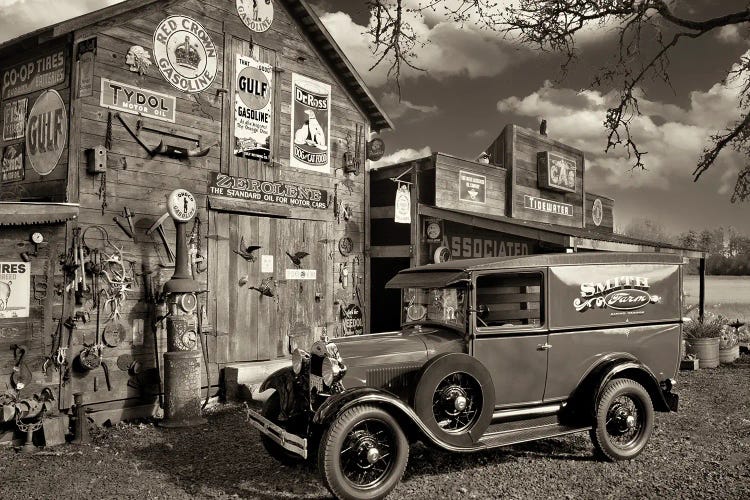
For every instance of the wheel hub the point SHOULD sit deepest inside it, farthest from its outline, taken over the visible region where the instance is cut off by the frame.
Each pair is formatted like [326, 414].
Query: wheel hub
[454, 399]
[373, 455]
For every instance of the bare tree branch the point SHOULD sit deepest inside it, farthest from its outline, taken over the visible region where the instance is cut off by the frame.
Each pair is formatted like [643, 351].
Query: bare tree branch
[552, 26]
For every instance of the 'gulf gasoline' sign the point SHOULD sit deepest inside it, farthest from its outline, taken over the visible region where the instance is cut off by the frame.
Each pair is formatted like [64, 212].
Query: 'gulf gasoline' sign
[46, 132]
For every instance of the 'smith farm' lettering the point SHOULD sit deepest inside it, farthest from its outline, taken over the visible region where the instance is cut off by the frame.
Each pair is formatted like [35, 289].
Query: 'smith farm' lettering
[623, 293]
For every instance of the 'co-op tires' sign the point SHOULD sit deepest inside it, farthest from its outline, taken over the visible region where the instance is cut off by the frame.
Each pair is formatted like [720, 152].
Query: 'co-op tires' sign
[185, 54]
[46, 132]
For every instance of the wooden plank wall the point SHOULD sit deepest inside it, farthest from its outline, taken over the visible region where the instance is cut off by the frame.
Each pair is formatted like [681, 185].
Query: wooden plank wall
[141, 183]
[447, 181]
[526, 145]
[608, 207]
[516, 148]
[36, 331]
[34, 187]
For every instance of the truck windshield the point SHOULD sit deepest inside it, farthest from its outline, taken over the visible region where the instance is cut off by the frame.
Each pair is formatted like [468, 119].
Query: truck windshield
[435, 305]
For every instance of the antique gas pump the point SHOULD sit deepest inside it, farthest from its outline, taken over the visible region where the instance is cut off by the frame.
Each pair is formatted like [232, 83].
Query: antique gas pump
[182, 375]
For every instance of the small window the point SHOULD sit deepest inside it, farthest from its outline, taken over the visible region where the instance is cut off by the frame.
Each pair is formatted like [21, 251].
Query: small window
[512, 300]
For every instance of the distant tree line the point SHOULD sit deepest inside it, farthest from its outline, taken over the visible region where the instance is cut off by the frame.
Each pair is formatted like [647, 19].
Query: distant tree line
[728, 251]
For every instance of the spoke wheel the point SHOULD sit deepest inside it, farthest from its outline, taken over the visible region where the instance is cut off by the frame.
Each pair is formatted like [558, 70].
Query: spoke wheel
[363, 454]
[457, 402]
[624, 420]
[454, 398]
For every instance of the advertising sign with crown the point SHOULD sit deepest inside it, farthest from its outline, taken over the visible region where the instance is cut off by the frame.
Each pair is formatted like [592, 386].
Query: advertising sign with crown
[253, 109]
[311, 123]
[185, 54]
[255, 14]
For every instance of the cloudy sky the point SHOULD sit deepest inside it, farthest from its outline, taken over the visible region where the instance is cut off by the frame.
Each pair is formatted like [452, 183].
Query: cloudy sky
[474, 83]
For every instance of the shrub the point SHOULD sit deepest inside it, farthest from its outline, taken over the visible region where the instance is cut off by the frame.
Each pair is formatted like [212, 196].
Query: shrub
[711, 326]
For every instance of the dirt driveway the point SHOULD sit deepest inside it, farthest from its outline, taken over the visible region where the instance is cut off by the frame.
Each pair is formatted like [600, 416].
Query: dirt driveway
[701, 452]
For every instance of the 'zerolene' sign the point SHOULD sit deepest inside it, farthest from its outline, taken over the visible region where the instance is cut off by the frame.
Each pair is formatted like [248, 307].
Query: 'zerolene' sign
[185, 54]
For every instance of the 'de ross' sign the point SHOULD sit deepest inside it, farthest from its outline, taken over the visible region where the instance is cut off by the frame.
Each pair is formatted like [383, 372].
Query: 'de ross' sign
[46, 132]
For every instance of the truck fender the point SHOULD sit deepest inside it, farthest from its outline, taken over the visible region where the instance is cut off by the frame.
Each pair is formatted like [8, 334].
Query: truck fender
[616, 365]
[404, 414]
[282, 380]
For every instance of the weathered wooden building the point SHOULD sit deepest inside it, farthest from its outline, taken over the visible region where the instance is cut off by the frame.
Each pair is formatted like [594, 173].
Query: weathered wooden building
[526, 194]
[253, 108]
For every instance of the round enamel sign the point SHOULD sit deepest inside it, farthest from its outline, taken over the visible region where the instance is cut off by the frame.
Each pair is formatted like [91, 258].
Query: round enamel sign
[255, 14]
[185, 54]
[181, 205]
[46, 132]
[597, 212]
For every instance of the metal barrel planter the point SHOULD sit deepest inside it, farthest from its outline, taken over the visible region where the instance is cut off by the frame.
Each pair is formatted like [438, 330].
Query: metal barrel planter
[730, 354]
[706, 350]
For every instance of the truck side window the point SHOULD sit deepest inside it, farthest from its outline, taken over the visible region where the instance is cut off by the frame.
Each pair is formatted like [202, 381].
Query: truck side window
[510, 300]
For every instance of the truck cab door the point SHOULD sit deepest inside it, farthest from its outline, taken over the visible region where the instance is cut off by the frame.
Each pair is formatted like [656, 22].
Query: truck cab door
[510, 334]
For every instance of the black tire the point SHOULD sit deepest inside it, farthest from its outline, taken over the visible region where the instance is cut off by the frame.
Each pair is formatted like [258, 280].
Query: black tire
[624, 420]
[344, 461]
[442, 381]
[271, 410]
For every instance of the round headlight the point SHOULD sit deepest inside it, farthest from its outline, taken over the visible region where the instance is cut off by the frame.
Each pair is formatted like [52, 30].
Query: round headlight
[297, 356]
[331, 371]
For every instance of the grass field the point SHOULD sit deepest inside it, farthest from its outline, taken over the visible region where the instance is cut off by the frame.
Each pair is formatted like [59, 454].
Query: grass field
[725, 295]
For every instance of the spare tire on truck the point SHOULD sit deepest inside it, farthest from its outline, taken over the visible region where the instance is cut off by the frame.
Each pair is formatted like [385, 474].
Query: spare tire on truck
[455, 398]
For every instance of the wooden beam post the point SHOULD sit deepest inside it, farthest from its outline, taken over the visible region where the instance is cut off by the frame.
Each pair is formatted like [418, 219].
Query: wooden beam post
[702, 288]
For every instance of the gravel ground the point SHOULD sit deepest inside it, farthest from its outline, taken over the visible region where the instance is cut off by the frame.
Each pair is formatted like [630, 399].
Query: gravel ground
[701, 452]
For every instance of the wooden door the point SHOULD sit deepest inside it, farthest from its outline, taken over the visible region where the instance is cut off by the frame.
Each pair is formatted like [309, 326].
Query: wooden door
[251, 326]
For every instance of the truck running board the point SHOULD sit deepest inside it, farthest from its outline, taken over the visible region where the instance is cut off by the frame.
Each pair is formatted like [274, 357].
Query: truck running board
[496, 439]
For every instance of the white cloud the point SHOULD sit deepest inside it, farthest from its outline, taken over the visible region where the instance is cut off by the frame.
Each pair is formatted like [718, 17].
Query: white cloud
[673, 136]
[396, 108]
[451, 49]
[401, 155]
[22, 16]
[733, 33]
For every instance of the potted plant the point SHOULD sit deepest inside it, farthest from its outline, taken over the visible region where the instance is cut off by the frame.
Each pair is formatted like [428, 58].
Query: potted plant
[729, 343]
[702, 336]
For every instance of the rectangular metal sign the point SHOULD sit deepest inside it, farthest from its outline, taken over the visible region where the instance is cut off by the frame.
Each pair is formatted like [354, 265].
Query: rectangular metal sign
[556, 172]
[15, 278]
[41, 72]
[311, 124]
[472, 187]
[283, 193]
[11, 168]
[14, 119]
[137, 101]
[301, 274]
[548, 206]
[253, 109]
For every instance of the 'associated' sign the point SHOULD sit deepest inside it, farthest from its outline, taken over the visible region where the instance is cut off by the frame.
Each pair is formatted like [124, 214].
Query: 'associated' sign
[46, 132]
[137, 101]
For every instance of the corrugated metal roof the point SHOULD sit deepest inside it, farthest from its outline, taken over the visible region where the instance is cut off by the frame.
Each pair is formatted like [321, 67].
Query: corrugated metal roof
[15, 213]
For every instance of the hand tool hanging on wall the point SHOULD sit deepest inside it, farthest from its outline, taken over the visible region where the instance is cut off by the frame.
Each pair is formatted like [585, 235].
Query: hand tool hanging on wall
[127, 224]
[165, 149]
[159, 229]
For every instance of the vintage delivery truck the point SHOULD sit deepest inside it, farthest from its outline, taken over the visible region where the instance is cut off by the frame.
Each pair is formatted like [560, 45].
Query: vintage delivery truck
[492, 352]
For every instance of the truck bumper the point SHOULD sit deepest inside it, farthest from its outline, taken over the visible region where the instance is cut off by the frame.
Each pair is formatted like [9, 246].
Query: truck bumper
[287, 440]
